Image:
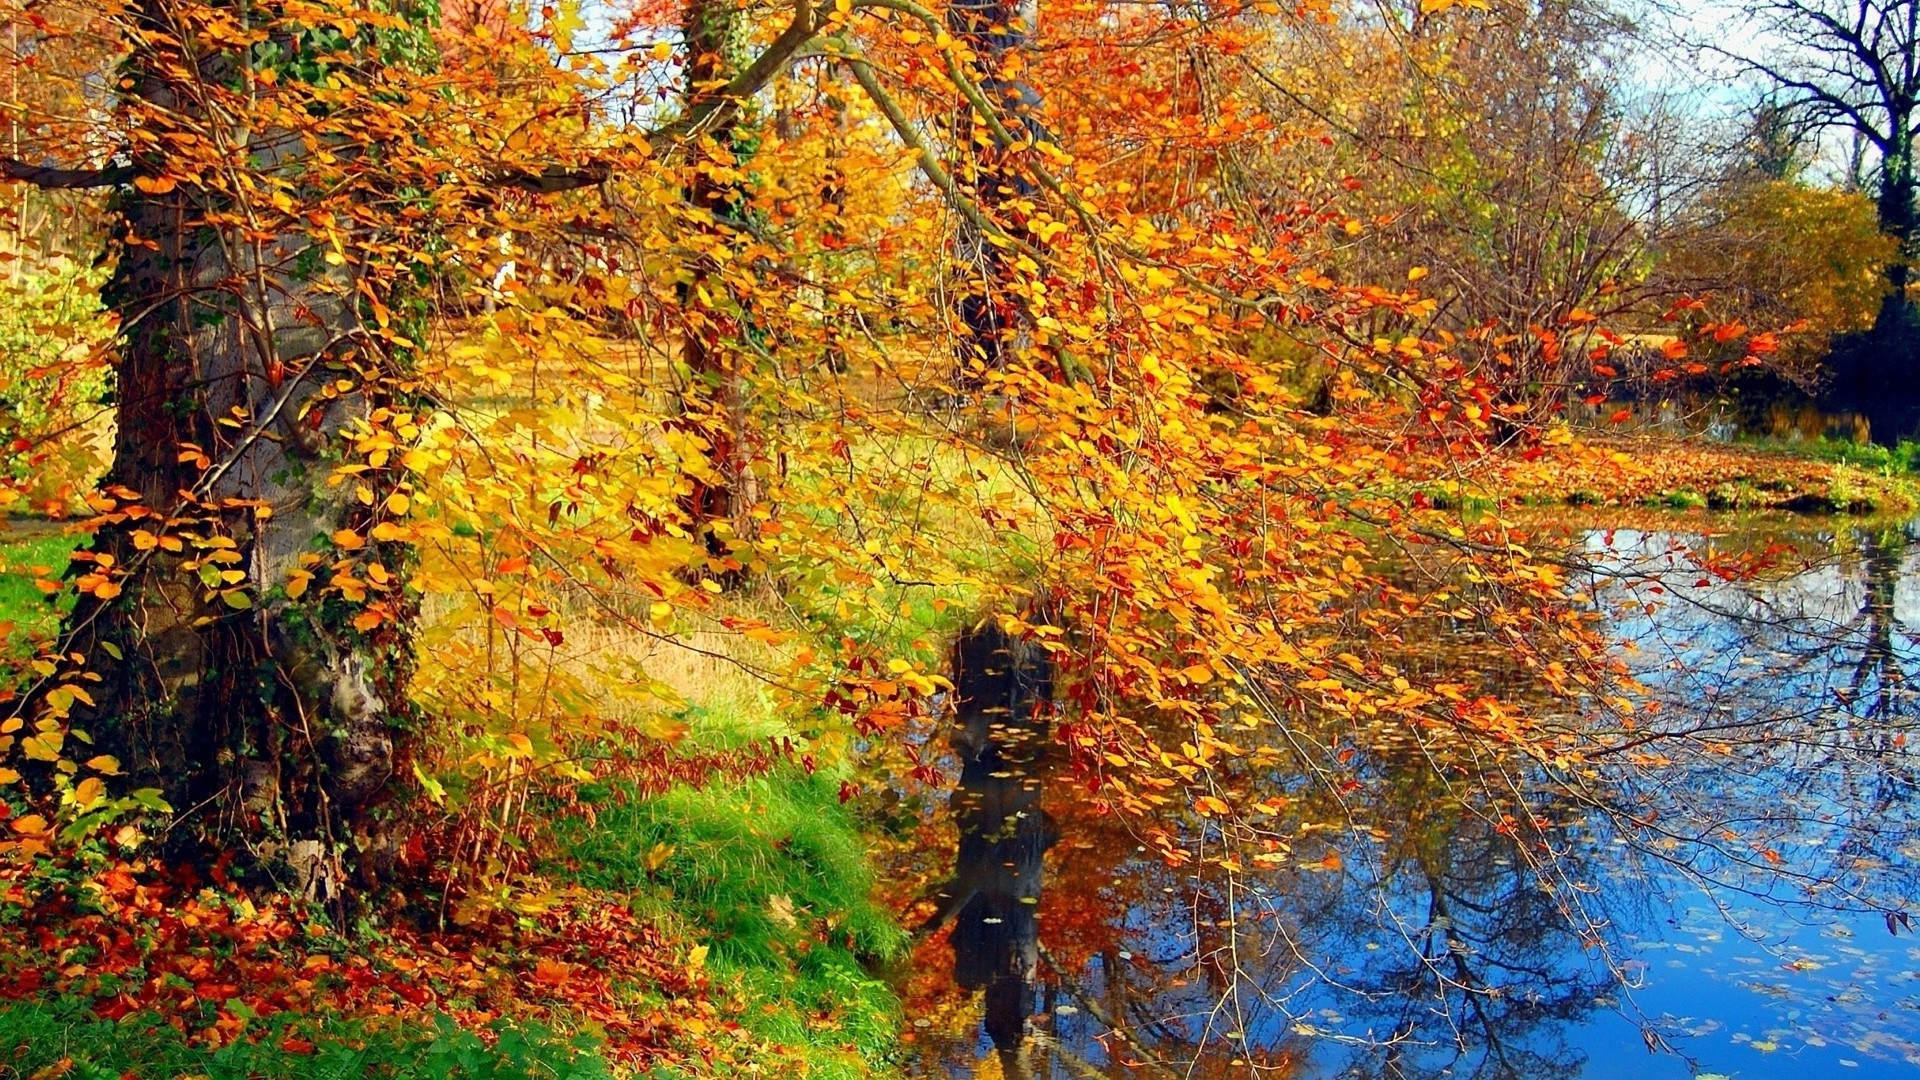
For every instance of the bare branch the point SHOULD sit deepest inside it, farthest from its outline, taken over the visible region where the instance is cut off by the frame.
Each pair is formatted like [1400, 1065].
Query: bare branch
[70, 179]
[554, 178]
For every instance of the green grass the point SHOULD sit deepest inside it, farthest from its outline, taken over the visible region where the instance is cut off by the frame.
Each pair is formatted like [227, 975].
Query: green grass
[42, 1035]
[771, 876]
[21, 601]
[1904, 458]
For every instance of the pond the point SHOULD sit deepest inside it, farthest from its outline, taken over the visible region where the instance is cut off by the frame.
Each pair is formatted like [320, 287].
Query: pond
[1725, 896]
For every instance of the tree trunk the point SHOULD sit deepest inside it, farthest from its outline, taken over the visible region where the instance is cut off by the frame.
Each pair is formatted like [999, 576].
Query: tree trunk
[1896, 328]
[833, 204]
[715, 405]
[992, 320]
[270, 715]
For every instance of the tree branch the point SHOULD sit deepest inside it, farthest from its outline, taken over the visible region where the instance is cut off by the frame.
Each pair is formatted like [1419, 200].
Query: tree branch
[555, 178]
[928, 160]
[70, 179]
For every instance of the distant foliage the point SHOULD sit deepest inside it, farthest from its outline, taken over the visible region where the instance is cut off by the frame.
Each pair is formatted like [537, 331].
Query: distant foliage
[1788, 254]
[54, 377]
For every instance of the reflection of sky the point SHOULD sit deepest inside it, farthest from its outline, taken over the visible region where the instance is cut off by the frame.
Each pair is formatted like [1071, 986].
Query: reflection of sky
[1330, 959]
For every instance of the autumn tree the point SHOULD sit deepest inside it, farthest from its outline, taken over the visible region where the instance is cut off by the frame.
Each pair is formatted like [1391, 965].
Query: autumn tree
[1779, 249]
[1502, 159]
[713, 33]
[1003, 120]
[263, 414]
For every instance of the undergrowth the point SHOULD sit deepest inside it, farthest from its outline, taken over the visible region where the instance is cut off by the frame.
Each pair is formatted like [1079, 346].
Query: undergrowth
[64, 1038]
[770, 875]
[1888, 461]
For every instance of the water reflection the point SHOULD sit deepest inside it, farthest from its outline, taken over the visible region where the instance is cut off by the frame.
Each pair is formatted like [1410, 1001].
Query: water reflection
[1716, 888]
[1002, 701]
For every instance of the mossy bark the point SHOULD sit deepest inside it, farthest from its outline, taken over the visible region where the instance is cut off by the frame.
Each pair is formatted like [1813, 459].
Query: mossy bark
[270, 724]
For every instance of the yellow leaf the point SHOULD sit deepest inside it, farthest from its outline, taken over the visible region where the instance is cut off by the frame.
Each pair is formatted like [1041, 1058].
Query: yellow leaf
[42, 747]
[662, 50]
[8, 776]
[30, 824]
[1197, 673]
[155, 185]
[88, 791]
[349, 540]
[105, 764]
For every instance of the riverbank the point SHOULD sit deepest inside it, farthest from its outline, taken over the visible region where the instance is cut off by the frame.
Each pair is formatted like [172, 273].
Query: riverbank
[703, 907]
[689, 933]
[701, 911]
[1696, 473]
[667, 928]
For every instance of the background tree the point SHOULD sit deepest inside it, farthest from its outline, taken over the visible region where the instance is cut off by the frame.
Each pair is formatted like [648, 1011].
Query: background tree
[1506, 163]
[1779, 250]
[1850, 66]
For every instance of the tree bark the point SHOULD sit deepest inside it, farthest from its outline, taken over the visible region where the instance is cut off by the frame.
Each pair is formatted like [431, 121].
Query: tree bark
[992, 319]
[715, 406]
[267, 716]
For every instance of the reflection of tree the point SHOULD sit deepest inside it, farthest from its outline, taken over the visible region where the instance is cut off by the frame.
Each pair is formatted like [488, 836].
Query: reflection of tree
[1882, 553]
[1495, 962]
[1439, 947]
[1423, 900]
[1002, 697]
[1778, 763]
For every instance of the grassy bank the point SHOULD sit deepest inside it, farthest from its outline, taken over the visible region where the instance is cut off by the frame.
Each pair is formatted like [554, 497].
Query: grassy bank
[743, 940]
[748, 939]
[1656, 471]
[770, 876]
[27, 612]
[64, 1038]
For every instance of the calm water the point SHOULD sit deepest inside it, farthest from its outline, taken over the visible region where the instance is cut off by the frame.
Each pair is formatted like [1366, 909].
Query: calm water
[1712, 901]
[1782, 416]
